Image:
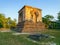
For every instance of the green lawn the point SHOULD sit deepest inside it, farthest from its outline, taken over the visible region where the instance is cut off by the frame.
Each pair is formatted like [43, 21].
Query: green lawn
[55, 33]
[6, 38]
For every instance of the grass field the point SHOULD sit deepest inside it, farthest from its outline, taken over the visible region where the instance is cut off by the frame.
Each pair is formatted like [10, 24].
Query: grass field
[6, 38]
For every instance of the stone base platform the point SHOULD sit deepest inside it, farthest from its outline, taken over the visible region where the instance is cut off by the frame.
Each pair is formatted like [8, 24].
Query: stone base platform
[30, 27]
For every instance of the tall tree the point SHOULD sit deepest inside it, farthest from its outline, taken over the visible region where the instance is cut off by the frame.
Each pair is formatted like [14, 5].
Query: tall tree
[47, 19]
[59, 16]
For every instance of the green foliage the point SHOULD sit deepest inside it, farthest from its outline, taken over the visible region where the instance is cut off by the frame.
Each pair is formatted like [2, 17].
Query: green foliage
[49, 17]
[47, 20]
[56, 24]
[13, 23]
[52, 24]
[59, 16]
[7, 22]
[1, 25]
[2, 20]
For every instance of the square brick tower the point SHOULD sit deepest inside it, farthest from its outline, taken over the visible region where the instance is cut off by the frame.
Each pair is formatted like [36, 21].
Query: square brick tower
[30, 20]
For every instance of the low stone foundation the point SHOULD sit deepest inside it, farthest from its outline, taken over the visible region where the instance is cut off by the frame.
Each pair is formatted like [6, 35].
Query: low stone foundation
[29, 26]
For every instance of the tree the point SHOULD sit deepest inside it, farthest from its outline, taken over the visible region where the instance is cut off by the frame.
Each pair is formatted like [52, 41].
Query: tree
[59, 16]
[2, 20]
[1, 25]
[58, 22]
[7, 22]
[47, 19]
[11, 23]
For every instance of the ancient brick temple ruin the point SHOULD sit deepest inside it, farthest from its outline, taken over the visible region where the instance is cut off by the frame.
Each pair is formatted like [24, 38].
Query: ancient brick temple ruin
[30, 20]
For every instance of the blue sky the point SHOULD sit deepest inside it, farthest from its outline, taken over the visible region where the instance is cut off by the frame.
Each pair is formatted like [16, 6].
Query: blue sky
[11, 7]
